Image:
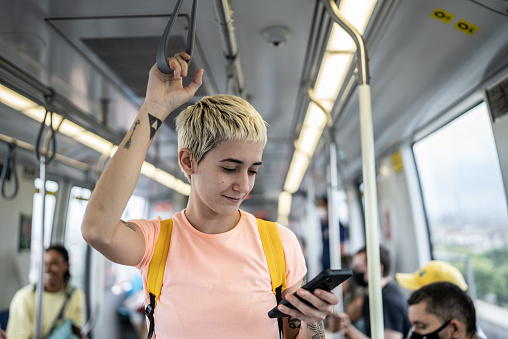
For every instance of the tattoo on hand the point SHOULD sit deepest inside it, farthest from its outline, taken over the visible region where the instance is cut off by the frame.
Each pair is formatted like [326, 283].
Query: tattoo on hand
[318, 330]
[129, 225]
[294, 322]
[128, 143]
[155, 123]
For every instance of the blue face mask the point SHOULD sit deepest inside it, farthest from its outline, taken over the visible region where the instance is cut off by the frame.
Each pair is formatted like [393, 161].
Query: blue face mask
[432, 335]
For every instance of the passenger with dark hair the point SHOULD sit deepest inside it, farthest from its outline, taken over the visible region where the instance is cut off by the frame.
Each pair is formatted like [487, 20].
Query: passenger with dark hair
[396, 322]
[442, 310]
[59, 297]
[435, 271]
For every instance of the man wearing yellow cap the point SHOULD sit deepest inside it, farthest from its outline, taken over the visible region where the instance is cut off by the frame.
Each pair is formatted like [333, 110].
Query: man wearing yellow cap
[434, 271]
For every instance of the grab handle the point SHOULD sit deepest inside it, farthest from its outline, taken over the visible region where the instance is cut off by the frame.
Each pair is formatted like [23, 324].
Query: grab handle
[162, 57]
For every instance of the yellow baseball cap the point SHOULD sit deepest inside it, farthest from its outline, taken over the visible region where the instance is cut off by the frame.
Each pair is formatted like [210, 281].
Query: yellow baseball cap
[434, 271]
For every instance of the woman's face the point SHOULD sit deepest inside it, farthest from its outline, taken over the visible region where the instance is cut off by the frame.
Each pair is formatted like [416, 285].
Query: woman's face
[54, 271]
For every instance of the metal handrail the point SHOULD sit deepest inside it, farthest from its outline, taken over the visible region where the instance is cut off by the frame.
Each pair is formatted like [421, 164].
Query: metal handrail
[369, 172]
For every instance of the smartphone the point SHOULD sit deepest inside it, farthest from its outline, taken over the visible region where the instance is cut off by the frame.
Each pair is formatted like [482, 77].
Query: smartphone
[326, 280]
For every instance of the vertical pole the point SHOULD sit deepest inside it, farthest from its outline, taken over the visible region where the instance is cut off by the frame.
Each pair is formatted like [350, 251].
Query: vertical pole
[41, 263]
[369, 172]
[333, 216]
[333, 221]
[371, 212]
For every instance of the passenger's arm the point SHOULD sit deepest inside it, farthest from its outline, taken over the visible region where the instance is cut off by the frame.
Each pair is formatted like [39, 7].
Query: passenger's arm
[102, 228]
[307, 321]
[341, 322]
[391, 334]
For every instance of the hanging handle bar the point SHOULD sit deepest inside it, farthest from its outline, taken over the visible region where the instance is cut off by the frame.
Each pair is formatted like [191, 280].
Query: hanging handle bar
[10, 164]
[162, 57]
[49, 101]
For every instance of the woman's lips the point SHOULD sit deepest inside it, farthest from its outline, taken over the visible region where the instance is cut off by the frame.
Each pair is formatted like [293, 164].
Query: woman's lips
[233, 200]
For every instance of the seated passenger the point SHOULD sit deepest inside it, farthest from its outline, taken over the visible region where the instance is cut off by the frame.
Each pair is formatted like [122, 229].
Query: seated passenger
[441, 310]
[396, 322]
[21, 324]
[435, 271]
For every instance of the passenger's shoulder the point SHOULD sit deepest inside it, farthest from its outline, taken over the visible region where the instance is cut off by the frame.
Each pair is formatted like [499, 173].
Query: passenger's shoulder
[24, 292]
[27, 289]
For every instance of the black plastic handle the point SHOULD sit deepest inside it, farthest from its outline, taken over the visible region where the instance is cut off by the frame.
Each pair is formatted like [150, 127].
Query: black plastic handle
[40, 135]
[162, 57]
[10, 164]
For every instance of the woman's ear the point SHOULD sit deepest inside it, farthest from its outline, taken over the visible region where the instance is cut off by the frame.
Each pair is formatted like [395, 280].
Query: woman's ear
[185, 160]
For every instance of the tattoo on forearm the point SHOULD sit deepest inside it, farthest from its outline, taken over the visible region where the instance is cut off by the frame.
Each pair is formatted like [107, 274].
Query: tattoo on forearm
[129, 225]
[155, 123]
[318, 330]
[294, 322]
[128, 143]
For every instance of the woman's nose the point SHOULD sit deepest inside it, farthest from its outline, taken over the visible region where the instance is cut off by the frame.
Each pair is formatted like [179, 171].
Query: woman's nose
[242, 183]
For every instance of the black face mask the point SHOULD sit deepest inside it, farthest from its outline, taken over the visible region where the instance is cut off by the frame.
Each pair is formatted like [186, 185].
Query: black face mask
[359, 279]
[432, 335]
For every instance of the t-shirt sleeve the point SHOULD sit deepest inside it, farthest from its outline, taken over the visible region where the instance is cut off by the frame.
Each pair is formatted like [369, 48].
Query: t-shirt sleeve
[151, 229]
[293, 254]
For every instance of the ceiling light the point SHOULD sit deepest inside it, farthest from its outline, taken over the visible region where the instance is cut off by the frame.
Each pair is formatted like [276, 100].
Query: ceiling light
[296, 171]
[313, 125]
[148, 170]
[13, 99]
[357, 12]
[284, 203]
[331, 75]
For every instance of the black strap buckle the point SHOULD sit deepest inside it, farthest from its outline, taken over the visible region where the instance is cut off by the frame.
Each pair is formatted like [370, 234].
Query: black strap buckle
[149, 311]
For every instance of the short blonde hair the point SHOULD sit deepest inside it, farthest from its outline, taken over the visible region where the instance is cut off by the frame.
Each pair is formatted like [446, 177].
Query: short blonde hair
[213, 119]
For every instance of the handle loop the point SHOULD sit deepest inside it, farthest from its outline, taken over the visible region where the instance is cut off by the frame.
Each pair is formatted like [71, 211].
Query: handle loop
[162, 57]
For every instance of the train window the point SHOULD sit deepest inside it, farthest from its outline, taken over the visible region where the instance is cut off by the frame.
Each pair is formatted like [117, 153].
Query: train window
[74, 241]
[465, 202]
[51, 189]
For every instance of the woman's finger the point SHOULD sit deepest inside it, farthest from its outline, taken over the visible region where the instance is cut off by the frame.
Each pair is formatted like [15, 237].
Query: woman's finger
[183, 65]
[175, 67]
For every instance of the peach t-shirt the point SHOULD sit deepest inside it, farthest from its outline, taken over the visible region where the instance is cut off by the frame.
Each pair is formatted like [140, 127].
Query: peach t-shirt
[217, 285]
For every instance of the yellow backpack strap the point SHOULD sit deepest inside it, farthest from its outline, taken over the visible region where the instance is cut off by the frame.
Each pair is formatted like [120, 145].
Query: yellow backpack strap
[274, 253]
[156, 270]
[272, 246]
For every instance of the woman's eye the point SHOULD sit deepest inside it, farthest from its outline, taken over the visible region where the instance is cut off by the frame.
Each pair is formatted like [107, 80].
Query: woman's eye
[253, 172]
[229, 170]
